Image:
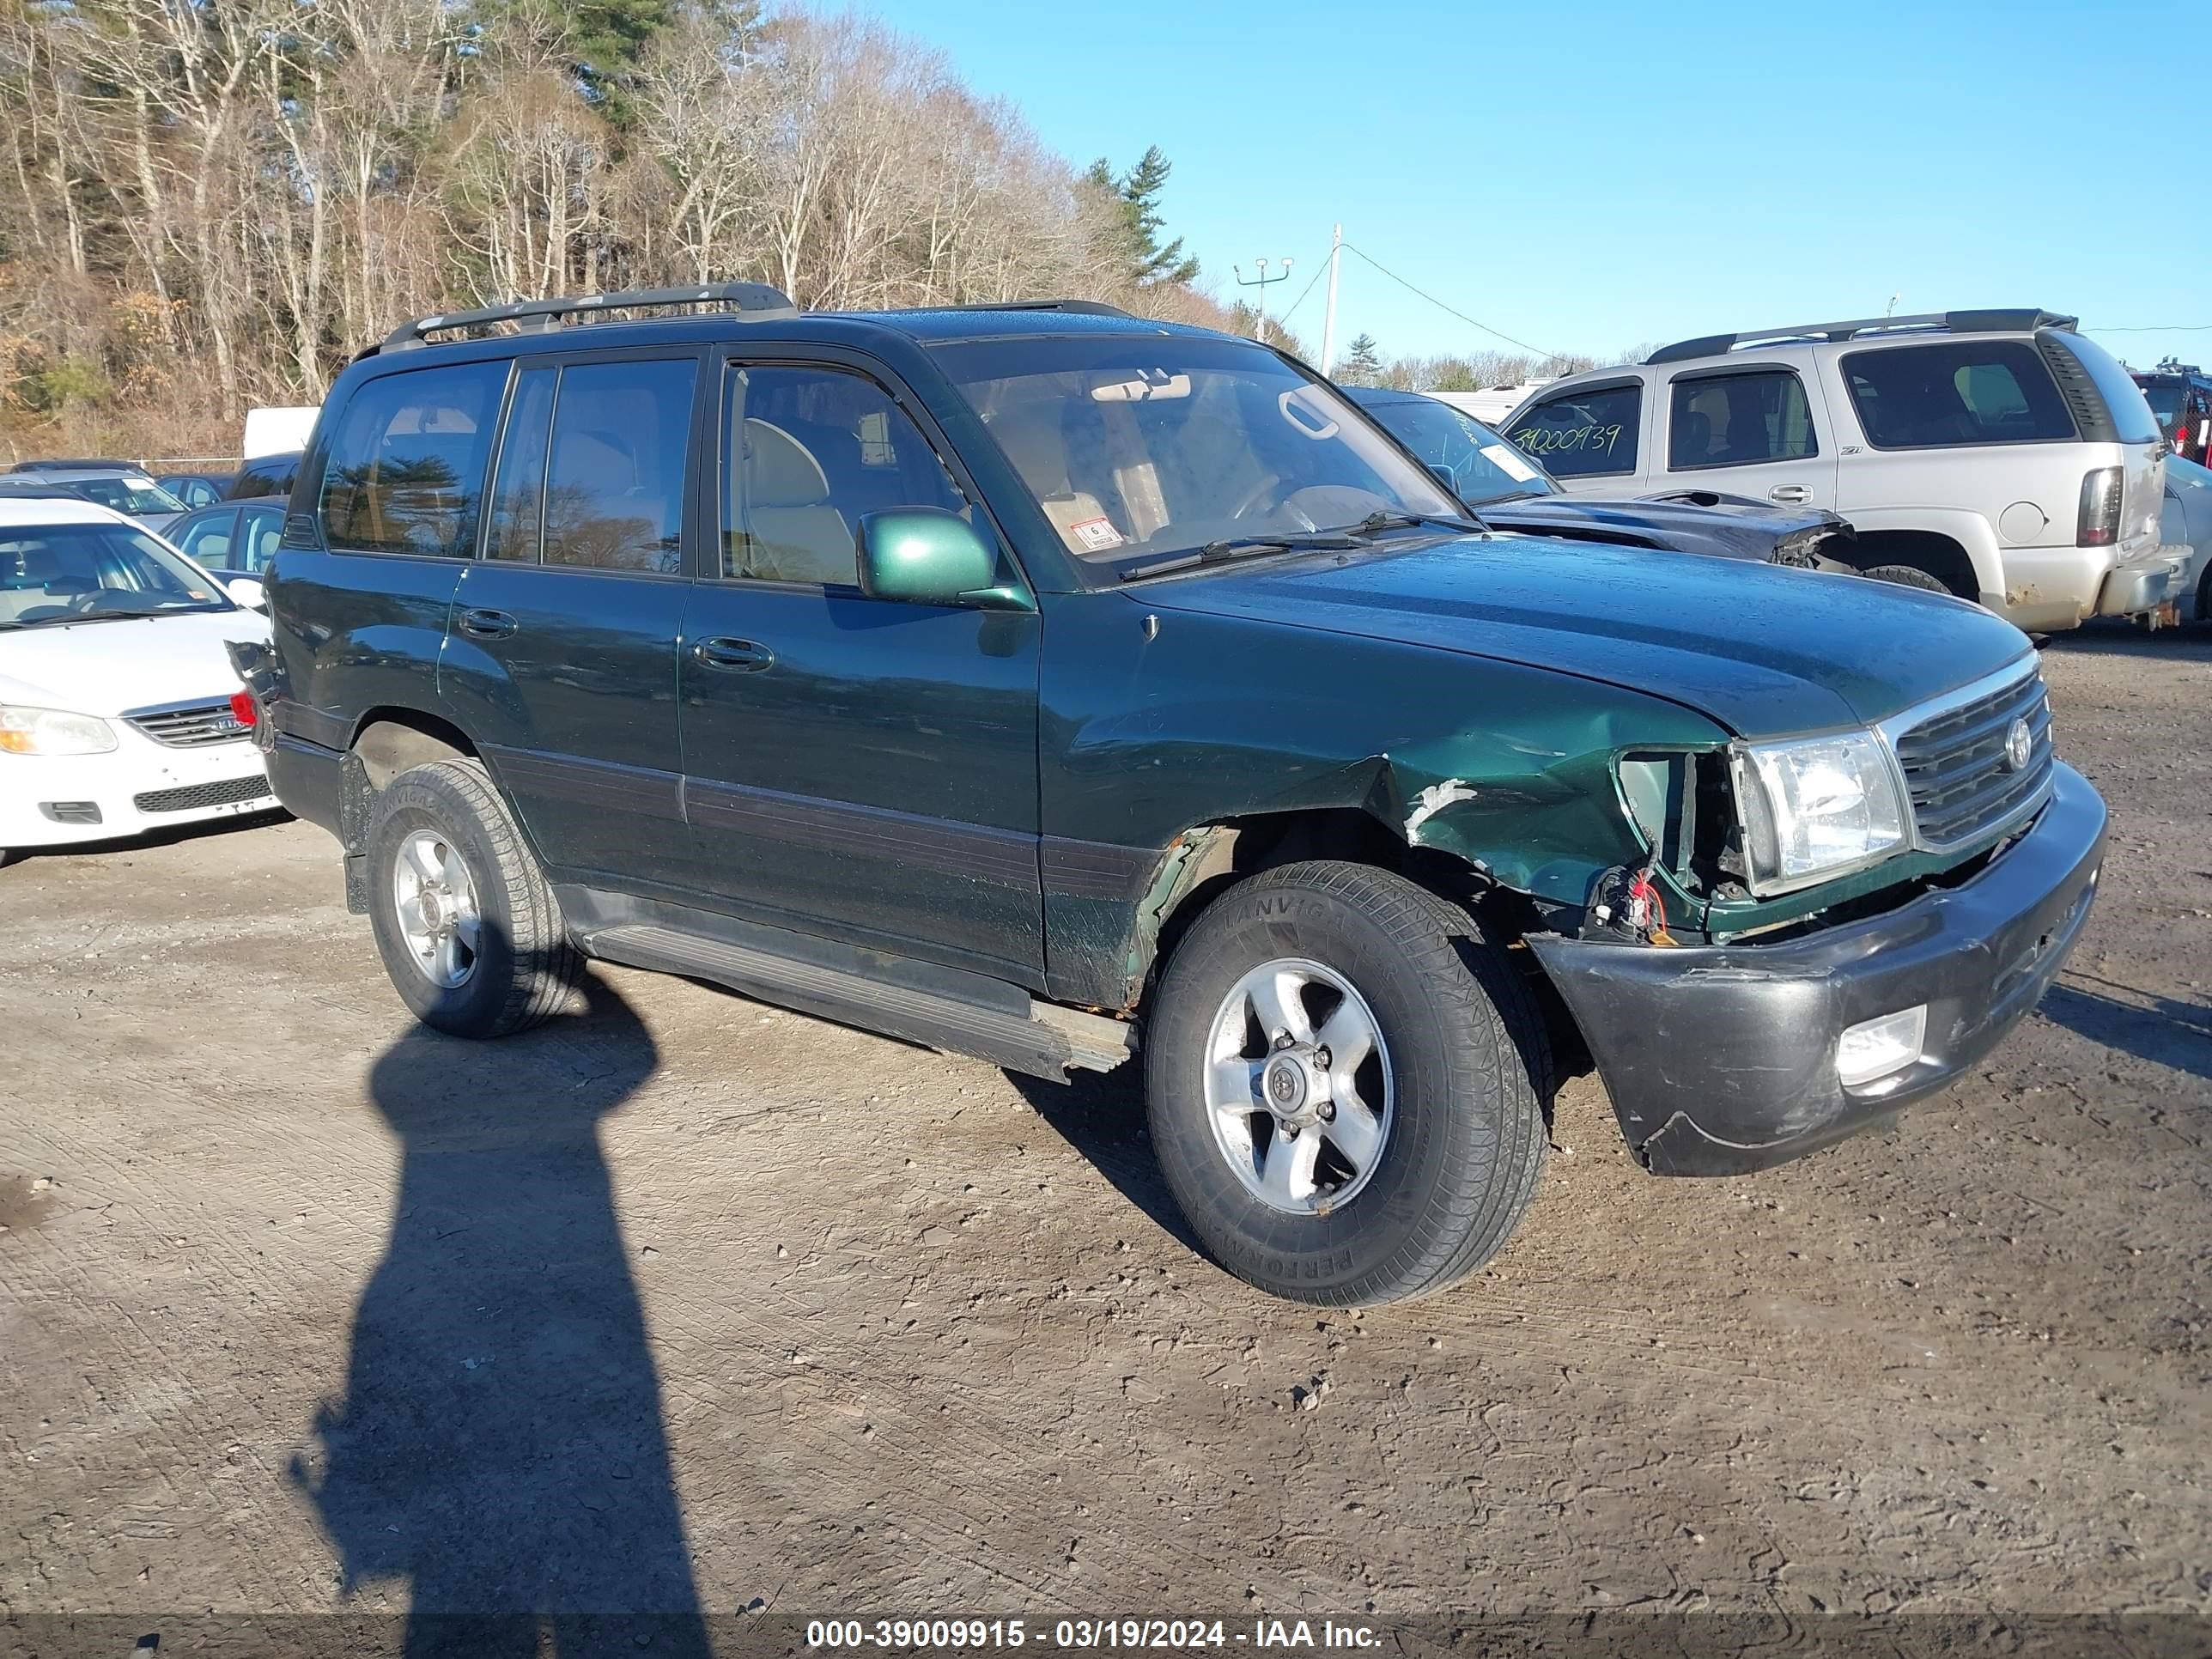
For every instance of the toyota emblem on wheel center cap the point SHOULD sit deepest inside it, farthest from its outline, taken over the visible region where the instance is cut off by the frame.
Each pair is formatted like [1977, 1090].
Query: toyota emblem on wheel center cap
[2019, 743]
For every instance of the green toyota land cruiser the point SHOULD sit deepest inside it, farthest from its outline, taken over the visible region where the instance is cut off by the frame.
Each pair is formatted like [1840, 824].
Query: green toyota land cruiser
[1052, 685]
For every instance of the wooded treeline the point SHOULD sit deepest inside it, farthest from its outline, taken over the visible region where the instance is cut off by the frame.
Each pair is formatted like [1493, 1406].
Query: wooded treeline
[206, 204]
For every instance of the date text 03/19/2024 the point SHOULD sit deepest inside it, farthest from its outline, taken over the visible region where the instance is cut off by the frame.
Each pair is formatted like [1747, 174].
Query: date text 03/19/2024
[1087, 1633]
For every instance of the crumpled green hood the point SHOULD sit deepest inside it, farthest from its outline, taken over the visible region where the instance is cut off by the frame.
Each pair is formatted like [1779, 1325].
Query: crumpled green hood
[1766, 650]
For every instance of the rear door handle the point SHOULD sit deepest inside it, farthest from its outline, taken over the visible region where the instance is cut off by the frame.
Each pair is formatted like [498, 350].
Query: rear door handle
[487, 625]
[739, 656]
[1792, 494]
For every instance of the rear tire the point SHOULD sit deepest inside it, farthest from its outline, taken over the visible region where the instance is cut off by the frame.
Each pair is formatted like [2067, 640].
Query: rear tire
[467, 925]
[1458, 1075]
[1906, 575]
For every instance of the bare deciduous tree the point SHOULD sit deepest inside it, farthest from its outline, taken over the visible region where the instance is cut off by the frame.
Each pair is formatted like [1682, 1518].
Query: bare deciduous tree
[204, 205]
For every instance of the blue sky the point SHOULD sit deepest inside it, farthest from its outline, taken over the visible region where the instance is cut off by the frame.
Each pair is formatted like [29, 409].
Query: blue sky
[1592, 176]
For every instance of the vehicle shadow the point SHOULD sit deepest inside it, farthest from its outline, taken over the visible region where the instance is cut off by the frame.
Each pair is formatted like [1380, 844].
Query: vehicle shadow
[151, 839]
[1101, 1115]
[2188, 643]
[2168, 1033]
[500, 1444]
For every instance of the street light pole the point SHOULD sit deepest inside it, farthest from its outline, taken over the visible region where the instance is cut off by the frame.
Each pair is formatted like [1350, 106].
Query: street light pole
[1261, 283]
[1328, 320]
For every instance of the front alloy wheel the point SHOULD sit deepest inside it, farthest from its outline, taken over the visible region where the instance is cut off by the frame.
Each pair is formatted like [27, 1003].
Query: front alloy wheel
[1346, 1082]
[1299, 1087]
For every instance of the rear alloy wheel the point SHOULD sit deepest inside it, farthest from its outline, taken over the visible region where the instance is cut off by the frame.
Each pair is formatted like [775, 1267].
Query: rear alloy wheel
[1347, 1083]
[464, 921]
[434, 899]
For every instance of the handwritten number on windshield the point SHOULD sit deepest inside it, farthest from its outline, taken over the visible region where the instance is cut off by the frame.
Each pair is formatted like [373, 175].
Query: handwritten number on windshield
[1595, 438]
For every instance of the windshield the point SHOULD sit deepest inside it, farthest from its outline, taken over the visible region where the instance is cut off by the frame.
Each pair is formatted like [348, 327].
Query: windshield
[68, 573]
[1484, 467]
[2165, 400]
[127, 494]
[1141, 446]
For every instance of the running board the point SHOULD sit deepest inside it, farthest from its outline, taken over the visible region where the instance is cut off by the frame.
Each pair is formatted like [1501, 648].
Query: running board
[1046, 1042]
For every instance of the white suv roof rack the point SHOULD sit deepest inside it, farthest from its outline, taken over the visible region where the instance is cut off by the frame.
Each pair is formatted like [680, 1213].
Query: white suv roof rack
[1945, 322]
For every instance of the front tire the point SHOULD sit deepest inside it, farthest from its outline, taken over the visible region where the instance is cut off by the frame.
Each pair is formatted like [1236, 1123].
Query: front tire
[467, 925]
[1395, 1131]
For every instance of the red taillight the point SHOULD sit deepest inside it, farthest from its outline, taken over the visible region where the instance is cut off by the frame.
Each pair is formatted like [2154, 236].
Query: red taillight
[2099, 524]
[244, 709]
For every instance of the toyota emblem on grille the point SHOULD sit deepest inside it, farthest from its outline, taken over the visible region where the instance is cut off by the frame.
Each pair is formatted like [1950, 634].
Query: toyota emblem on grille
[2019, 743]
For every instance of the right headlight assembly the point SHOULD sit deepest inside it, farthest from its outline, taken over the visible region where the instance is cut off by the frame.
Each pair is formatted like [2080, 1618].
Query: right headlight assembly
[1814, 808]
[52, 732]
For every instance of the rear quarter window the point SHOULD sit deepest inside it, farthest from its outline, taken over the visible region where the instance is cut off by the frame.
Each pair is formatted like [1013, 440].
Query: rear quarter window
[1954, 393]
[405, 471]
[1583, 433]
[2129, 415]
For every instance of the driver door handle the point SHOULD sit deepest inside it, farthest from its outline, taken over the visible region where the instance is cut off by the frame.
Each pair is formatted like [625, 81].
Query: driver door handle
[487, 625]
[1791, 494]
[737, 656]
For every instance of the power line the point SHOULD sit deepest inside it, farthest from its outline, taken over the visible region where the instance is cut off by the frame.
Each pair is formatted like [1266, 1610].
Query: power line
[2154, 328]
[1441, 306]
[1301, 299]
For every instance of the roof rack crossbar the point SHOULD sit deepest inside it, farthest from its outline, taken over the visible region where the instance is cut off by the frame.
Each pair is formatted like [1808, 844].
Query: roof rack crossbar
[754, 298]
[1953, 322]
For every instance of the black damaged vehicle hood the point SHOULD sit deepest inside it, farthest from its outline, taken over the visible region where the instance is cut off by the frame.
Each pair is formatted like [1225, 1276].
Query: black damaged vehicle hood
[1692, 521]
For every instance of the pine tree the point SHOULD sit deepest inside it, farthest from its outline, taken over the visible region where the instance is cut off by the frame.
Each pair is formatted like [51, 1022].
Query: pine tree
[1136, 195]
[603, 40]
[1362, 364]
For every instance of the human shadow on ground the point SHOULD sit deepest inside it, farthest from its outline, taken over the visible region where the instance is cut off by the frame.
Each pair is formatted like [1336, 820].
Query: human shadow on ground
[500, 1445]
[2168, 1033]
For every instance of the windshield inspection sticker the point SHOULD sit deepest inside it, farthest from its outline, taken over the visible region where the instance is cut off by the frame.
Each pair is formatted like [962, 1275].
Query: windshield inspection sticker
[1097, 535]
[1507, 460]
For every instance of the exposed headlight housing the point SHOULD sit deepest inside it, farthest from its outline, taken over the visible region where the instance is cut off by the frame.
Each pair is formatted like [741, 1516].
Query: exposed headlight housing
[1814, 808]
[52, 732]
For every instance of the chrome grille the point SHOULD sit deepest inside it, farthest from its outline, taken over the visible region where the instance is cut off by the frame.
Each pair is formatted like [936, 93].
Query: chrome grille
[1956, 772]
[190, 725]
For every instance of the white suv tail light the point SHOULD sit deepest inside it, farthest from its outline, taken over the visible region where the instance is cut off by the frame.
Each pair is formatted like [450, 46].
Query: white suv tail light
[2101, 490]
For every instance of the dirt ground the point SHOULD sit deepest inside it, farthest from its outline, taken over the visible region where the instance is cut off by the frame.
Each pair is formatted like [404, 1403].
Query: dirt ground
[684, 1302]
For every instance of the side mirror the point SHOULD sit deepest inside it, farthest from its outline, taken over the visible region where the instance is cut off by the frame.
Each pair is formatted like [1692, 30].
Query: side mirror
[245, 590]
[926, 556]
[1442, 475]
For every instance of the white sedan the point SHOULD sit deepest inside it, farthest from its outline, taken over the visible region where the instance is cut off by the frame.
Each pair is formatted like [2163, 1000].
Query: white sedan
[116, 711]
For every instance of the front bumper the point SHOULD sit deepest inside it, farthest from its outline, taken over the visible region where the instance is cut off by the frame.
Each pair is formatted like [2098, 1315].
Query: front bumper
[1721, 1059]
[62, 801]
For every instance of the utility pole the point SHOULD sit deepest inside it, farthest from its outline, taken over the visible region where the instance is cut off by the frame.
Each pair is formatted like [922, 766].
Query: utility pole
[1329, 319]
[1261, 283]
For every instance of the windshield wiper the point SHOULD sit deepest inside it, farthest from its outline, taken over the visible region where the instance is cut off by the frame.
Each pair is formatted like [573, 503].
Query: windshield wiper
[1375, 523]
[1242, 547]
[79, 618]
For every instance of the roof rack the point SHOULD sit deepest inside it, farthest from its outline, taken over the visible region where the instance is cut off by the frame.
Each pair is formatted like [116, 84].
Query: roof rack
[1084, 307]
[756, 299]
[1949, 322]
[65, 465]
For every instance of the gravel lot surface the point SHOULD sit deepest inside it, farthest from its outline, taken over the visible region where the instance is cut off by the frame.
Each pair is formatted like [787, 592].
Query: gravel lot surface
[683, 1301]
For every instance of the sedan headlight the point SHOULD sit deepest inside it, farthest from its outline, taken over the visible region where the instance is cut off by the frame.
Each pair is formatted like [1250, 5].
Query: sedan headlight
[52, 732]
[1815, 808]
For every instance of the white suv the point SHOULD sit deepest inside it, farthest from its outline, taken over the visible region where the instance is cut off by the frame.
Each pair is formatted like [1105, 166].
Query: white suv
[1998, 452]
